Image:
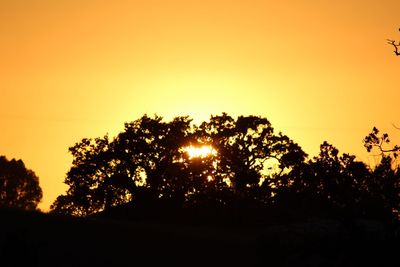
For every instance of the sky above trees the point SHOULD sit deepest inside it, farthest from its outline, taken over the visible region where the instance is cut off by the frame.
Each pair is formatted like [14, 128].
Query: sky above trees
[319, 70]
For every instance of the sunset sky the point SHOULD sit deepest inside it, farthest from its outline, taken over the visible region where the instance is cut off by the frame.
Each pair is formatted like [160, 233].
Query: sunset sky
[318, 70]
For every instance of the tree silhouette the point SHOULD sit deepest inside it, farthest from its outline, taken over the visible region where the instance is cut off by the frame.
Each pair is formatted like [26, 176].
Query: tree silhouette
[337, 180]
[19, 186]
[329, 183]
[147, 167]
[250, 155]
[147, 162]
[141, 163]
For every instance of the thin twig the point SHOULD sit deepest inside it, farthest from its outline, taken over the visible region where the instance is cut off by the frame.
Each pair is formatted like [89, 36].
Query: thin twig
[398, 128]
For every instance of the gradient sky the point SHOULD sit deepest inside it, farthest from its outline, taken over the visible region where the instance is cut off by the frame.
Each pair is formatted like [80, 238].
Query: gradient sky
[318, 70]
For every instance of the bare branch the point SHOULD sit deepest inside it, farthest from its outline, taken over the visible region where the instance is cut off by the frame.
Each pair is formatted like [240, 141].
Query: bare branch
[396, 46]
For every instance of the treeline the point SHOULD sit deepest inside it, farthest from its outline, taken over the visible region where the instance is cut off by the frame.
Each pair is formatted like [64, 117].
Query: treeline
[253, 166]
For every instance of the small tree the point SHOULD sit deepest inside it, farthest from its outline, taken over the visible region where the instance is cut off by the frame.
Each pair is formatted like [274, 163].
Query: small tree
[19, 186]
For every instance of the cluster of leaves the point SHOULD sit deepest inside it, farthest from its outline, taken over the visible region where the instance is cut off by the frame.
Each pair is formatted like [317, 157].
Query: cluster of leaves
[147, 162]
[375, 140]
[19, 186]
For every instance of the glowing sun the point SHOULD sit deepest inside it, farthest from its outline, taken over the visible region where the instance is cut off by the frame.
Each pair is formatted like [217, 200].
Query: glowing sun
[200, 151]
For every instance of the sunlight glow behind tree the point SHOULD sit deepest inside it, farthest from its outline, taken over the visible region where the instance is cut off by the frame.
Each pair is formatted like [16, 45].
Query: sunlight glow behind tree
[177, 161]
[200, 151]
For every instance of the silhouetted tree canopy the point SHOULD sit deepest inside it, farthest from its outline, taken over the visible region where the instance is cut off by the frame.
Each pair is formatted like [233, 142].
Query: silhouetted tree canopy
[19, 186]
[148, 163]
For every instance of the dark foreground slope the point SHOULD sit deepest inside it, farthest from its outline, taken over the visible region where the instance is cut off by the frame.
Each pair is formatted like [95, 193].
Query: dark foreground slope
[36, 239]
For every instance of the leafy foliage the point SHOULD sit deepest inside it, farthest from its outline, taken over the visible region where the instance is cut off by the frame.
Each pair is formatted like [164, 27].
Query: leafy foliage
[379, 141]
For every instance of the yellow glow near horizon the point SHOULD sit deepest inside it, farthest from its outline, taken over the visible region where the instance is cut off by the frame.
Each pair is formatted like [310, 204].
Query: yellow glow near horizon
[318, 70]
[200, 151]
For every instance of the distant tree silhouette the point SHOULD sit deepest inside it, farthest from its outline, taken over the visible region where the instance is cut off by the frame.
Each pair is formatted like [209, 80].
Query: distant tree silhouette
[395, 45]
[19, 186]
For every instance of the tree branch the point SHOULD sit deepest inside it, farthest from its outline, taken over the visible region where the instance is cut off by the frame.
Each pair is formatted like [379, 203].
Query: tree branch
[396, 46]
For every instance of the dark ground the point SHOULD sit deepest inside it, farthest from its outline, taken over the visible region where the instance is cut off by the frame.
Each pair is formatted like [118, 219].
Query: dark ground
[36, 239]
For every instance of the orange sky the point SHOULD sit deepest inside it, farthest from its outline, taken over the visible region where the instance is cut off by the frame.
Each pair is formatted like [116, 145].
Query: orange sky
[319, 70]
